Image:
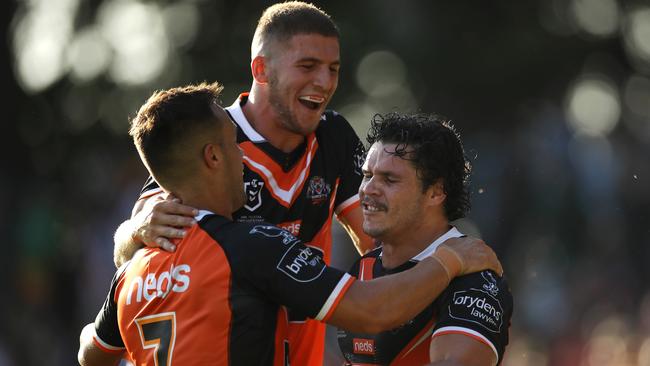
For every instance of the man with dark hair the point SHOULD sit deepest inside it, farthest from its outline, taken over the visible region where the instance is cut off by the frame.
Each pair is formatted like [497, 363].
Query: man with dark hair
[302, 163]
[415, 182]
[216, 299]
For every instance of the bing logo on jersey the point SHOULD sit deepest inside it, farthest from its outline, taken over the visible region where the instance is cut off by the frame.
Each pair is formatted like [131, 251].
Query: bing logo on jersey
[318, 190]
[253, 191]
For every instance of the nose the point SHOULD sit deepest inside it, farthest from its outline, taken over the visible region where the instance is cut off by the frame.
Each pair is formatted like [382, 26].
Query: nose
[368, 187]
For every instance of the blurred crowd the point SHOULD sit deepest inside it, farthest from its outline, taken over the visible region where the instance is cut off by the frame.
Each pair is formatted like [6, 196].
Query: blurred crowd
[552, 100]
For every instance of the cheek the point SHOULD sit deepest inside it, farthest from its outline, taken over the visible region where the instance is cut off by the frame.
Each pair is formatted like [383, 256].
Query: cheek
[335, 83]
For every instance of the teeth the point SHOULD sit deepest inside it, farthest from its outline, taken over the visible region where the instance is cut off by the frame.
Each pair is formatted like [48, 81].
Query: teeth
[371, 208]
[312, 98]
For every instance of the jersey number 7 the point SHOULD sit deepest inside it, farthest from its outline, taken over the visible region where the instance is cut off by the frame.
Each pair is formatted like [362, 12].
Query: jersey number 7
[158, 331]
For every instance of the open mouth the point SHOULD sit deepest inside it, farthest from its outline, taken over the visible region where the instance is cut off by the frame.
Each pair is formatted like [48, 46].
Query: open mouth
[312, 102]
[371, 207]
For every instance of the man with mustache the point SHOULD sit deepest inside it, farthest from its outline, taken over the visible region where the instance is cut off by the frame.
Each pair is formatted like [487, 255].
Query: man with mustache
[415, 181]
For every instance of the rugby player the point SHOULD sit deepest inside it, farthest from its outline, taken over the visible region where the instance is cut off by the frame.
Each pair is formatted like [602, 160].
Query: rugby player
[414, 183]
[216, 299]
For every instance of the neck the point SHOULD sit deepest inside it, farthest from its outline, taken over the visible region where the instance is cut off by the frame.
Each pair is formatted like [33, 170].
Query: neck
[267, 122]
[398, 250]
[206, 200]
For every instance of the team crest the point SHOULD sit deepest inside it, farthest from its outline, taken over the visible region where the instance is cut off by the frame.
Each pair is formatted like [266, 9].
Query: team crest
[490, 284]
[318, 190]
[253, 191]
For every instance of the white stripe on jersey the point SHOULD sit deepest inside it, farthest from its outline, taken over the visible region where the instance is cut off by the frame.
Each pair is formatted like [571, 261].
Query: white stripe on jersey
[333, 296]
[345, 204]
[286, 196]
[106, 345]
[467, 331]
[428, 251]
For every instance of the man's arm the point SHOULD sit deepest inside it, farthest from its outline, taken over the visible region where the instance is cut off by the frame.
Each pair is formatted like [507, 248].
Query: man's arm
[90, 354]
[387, 302]
[352, 222]
[154, 222]
[459, 349]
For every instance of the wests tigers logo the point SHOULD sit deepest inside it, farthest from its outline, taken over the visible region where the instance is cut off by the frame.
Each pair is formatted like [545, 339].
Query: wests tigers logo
[318, 190]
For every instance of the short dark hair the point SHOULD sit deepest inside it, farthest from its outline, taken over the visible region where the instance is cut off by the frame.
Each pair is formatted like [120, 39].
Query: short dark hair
[433, 146]
[282, 21]
[166, 124]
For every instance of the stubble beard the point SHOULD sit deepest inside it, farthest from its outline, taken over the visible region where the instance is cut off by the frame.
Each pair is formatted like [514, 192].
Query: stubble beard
[287, 119]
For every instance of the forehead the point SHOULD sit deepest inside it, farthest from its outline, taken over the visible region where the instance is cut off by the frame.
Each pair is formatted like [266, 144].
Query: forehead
[312, 45]
[381, 159]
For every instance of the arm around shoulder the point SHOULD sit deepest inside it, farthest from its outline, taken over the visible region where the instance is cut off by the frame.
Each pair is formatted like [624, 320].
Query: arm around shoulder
[124, 238]
[387, 302]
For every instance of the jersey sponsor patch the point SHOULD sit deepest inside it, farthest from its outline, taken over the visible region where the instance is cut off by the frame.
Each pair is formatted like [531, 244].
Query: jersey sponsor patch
[271, 231]
[363, 346]
[253, 191]
[301, 263]
[479, 307]
[291, 226]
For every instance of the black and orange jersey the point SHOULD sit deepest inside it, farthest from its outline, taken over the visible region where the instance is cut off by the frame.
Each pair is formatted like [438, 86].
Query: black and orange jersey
[478, 305]
[299, 191]
[217, 299]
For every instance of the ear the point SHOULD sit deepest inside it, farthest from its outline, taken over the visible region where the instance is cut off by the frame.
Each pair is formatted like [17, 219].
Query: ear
[435, 194]
[259, 70]
[212, 156]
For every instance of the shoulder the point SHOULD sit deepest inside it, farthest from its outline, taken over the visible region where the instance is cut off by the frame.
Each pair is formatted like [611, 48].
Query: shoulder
[333, 122]
[482, 283]
[487, 281]
[247, 235]
[481, 296]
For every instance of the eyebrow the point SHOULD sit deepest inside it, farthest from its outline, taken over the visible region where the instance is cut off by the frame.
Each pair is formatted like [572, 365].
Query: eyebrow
[386, 173]
[317, 60]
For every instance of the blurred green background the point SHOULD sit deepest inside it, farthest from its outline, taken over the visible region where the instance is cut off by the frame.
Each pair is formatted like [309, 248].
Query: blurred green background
[551, 97]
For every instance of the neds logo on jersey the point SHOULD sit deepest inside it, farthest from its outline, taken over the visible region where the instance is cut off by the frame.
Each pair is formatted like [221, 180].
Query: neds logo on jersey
[477, 306]
[363, 346]
[154, 285]
[301, 263]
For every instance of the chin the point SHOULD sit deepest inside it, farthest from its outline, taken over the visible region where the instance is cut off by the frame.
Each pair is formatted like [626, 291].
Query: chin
[373, 231]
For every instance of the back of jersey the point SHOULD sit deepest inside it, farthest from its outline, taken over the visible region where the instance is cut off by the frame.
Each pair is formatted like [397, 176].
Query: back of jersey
[174, 306]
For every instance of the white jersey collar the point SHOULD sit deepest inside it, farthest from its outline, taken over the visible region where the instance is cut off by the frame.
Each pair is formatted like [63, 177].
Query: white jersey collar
[202, 214]
[240, 119]
[452, 233]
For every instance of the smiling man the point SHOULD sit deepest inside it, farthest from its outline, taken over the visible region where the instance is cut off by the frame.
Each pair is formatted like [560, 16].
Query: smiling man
[415, 183]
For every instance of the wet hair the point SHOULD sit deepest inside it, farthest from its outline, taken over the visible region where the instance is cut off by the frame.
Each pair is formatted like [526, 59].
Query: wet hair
[432, 145]
[282, 21]
[167, 125]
